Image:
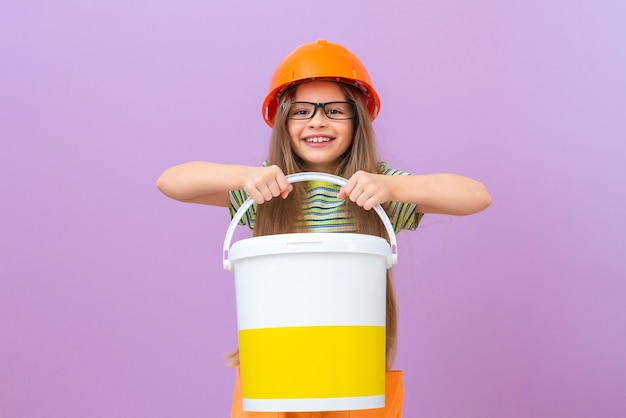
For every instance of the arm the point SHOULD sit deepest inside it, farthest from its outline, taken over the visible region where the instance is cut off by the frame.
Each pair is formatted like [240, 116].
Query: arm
[450, 194]
[209, 183]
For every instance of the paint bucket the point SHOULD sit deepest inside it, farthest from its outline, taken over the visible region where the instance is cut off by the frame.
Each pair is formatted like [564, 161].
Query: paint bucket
[311, 315]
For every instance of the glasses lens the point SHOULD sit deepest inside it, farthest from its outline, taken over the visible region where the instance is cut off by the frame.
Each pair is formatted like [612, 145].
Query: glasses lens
[333, 110]
[301, 110]
[339, 110]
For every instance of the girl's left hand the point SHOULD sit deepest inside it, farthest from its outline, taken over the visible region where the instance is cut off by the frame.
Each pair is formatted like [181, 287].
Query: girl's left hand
[365, 189]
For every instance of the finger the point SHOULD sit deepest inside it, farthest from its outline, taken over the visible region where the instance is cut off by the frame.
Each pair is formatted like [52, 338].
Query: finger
[282, 183]
[362, 199]
[368, 198]
[370, 203]
[286, 192]
[349, 186]
[266, 192]
[257, 196]
[274, 188]
[356, 194]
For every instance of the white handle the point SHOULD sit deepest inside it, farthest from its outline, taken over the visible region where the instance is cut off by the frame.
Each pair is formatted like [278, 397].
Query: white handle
[293, 178]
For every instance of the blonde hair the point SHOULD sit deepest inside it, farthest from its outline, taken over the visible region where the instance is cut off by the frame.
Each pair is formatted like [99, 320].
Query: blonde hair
[280, 216]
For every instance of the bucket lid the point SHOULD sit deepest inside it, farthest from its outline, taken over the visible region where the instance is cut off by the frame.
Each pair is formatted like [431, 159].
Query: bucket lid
[311, 243]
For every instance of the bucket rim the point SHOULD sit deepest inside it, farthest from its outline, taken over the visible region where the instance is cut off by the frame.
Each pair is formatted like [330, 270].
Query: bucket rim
[310, 244]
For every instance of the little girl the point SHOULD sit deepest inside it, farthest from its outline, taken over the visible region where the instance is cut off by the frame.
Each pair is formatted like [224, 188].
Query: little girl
[321, 104]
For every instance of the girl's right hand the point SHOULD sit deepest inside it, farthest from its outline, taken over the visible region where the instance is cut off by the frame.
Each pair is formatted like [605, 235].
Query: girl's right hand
[264, 183]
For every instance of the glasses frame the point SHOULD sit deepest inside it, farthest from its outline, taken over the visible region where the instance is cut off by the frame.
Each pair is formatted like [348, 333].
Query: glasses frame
[323, 107]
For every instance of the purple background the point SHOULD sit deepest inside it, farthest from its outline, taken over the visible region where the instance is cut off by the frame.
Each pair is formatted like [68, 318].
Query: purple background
[113, 301]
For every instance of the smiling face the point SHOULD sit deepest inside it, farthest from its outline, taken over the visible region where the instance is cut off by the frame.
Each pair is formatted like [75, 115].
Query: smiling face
[320, 142]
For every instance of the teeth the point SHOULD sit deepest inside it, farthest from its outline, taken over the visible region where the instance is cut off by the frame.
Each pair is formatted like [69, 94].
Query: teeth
[318, 139]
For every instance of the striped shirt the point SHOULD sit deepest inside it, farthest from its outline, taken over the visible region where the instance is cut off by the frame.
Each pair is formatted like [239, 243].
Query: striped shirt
[323, 212]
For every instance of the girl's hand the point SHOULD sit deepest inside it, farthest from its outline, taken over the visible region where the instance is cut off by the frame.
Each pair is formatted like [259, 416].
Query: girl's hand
[265, 183]
[365, 189]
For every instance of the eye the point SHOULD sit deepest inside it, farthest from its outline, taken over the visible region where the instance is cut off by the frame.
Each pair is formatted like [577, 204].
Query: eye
[338, 109]
[300, 109]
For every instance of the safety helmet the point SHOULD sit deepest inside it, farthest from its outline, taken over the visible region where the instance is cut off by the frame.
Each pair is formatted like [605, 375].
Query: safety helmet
[319, 60]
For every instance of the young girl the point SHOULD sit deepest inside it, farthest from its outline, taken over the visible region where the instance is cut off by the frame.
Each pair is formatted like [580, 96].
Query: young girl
[321, 105]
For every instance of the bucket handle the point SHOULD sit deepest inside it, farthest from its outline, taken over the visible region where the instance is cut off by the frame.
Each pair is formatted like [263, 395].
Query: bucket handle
[293, 178]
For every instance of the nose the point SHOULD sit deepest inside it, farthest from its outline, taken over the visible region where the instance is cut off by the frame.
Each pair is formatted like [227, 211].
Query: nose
[319, 117]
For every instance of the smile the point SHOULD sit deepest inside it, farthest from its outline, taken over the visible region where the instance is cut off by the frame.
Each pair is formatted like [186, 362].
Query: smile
[317, 139]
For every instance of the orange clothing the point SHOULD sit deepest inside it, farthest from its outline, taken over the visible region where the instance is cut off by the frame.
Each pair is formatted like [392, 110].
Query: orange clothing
[394, 397]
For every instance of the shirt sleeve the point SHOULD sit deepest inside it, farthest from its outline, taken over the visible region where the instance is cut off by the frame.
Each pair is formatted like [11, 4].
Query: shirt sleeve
[403, 216]
[237, 199]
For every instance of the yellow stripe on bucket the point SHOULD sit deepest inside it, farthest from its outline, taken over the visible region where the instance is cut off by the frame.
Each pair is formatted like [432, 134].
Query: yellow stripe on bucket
[312, 362]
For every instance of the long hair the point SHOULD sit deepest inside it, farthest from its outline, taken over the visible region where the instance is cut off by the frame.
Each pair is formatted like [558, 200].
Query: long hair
[280, 216]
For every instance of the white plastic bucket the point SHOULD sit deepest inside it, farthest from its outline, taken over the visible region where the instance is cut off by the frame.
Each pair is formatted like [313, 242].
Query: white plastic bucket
[311, 316]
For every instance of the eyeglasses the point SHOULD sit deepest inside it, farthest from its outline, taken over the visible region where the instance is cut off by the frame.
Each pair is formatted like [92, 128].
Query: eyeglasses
[332, 110]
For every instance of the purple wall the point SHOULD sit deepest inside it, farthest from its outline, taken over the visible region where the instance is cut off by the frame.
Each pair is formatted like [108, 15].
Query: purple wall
[113, 301]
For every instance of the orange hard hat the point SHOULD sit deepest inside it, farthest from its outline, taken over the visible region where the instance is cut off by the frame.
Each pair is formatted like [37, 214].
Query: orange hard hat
[319, 60]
